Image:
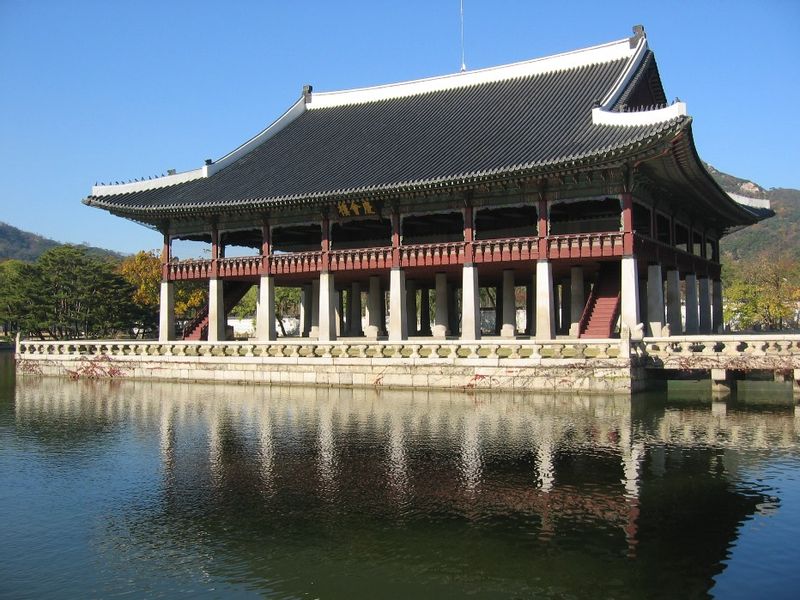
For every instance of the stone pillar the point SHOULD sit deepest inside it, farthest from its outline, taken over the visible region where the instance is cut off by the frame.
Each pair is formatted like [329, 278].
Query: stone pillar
[643, 318]
[338, 312]
[374, 310]
[305, 311]
[692, 326]
[545, 313]
[498, 309]
[530, 313]
[470, 304]
[717, 321]
[424, 311]
[166, 312]
[577, 300]
[265, 310]
[216, 310]
[566, 308]
[354, 327]
[441, 327]
[509, 329]
[452, 309]
[411, 307]
[629, 295]
[314, 331]
[398, 313]
[674, 302]
[704, 304]
[655, 301]
[326, 316]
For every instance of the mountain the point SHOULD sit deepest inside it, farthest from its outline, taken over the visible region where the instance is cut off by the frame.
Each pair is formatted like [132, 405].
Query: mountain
[776, 234]
[23, 245]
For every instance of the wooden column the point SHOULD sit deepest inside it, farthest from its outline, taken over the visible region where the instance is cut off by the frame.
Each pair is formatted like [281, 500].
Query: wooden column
[627, 224]
[214, 251]
[266, 247]
[326, 243]
[166, 256]
[395, 221]
[541, 228]
[469, 234]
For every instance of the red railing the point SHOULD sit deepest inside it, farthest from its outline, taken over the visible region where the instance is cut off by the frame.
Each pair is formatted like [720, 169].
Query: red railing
[180, 270]
[506, 250]
[585, 245]
[669, 256]
[239, 266]
[295, 262]
[432, 255]
[356, 259]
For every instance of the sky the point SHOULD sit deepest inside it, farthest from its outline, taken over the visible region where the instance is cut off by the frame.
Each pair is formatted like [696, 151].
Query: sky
[95, 91]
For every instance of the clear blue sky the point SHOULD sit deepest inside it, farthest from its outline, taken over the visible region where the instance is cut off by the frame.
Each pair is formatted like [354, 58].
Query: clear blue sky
[107, 91]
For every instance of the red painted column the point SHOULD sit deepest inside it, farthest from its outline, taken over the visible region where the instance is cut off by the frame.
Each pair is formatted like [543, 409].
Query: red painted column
[326, 243]
[627, 224]
[166, 256]
[395, 220]
[266, 248]
[469, 235]
[214, 251]
[542, 228]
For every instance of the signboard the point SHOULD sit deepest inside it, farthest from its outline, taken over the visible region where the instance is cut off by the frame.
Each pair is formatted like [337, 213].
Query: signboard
[357, 208]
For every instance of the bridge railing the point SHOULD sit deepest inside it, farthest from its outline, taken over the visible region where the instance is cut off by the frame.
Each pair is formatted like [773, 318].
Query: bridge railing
[731, 352]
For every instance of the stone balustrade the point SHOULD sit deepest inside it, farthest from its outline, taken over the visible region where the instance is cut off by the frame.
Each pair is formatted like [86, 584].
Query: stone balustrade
[729, 352]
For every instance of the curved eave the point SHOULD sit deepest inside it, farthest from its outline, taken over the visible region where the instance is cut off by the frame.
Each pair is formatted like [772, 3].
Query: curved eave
[602, 157]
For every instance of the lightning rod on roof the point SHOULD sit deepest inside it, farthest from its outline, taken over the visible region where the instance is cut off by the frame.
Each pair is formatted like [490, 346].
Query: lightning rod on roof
[463, 64]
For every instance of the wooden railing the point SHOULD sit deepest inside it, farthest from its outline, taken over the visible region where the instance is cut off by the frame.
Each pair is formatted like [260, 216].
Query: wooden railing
[671, 257]
[432, 255]
[506, 250]
[179, 270]
[239, 266]
[295, 262]
[356, 259]
[585, 245]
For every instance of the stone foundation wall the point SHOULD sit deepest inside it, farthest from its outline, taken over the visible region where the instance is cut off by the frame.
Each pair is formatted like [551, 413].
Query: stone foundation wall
[601, 375]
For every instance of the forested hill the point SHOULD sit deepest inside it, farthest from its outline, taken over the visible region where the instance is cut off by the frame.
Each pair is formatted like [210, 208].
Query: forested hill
[777, 234]
[23, 245]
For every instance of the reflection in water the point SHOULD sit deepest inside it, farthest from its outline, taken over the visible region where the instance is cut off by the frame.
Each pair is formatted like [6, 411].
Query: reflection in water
[357, 493]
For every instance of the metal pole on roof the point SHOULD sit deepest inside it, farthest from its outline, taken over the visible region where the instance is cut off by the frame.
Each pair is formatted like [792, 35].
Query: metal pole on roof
[463, 64]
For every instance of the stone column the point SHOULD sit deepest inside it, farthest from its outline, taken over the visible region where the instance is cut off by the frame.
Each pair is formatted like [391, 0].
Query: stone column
[530, 313]
[327, 308]
[166, 312]
[216, 310]
[717, 322]
[509, 329]
[674, 302]
[655, 301]
[704, 305]
[545, 306]
[338, 313]
[452, 309]
[566, 308]
[629, 294]
[692, 326]
[441, 326]
[374, 312]
[411, 307]
[355, 310]
[498, 309]
[577, 300]
[398, 324]
[305, 311]
[424, 311]
[314, 331]
[470, 304]
[265, 310]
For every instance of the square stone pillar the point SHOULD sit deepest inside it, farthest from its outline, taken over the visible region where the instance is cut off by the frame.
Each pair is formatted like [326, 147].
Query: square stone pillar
[545, 302]
[452, 309]
[530, 312]
[441, 327]
[327, 308]
[674, 319]
[498, 309]
[717, 319]
[374, 308]
[216, 310]
[265, 310]
[629, 295]
[411, 307]
[314, 331]
[509, 329]
[398, 311]
[166, 312]
[704, 304]
[470, 304]
[305, 311]
[354, 327]
[655, 301]
[577, 300]
[692, 310]
[338, 313]
[424, 311]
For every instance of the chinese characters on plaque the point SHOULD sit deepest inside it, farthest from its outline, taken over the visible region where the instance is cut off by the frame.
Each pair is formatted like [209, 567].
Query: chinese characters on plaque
[357, 208]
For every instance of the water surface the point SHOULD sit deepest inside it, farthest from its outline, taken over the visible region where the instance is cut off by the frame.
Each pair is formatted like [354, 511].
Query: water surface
[170, 490]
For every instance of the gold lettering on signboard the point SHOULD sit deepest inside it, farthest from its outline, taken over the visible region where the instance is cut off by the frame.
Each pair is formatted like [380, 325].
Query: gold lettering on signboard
[356, 208]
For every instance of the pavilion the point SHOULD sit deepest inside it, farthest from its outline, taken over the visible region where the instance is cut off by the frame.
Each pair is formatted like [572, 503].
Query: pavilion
[570, 175]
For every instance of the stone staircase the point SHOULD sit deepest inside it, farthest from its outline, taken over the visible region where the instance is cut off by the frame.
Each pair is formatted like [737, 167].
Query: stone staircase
[197, 328]
[602, 308]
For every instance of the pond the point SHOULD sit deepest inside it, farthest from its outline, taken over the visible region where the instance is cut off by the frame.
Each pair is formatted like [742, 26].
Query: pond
[182, 490]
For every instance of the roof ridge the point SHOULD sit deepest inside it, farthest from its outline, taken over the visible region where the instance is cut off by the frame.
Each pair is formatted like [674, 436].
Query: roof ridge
[602, 53]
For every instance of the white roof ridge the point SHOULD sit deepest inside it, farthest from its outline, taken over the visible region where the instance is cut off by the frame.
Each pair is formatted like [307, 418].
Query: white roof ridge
[602, 53]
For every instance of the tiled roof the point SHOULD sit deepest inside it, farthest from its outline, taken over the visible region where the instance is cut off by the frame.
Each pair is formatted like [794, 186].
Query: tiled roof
[510, 121]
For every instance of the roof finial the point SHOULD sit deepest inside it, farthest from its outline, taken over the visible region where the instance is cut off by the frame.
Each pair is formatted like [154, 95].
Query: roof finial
[638, 34]
[307, 89]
